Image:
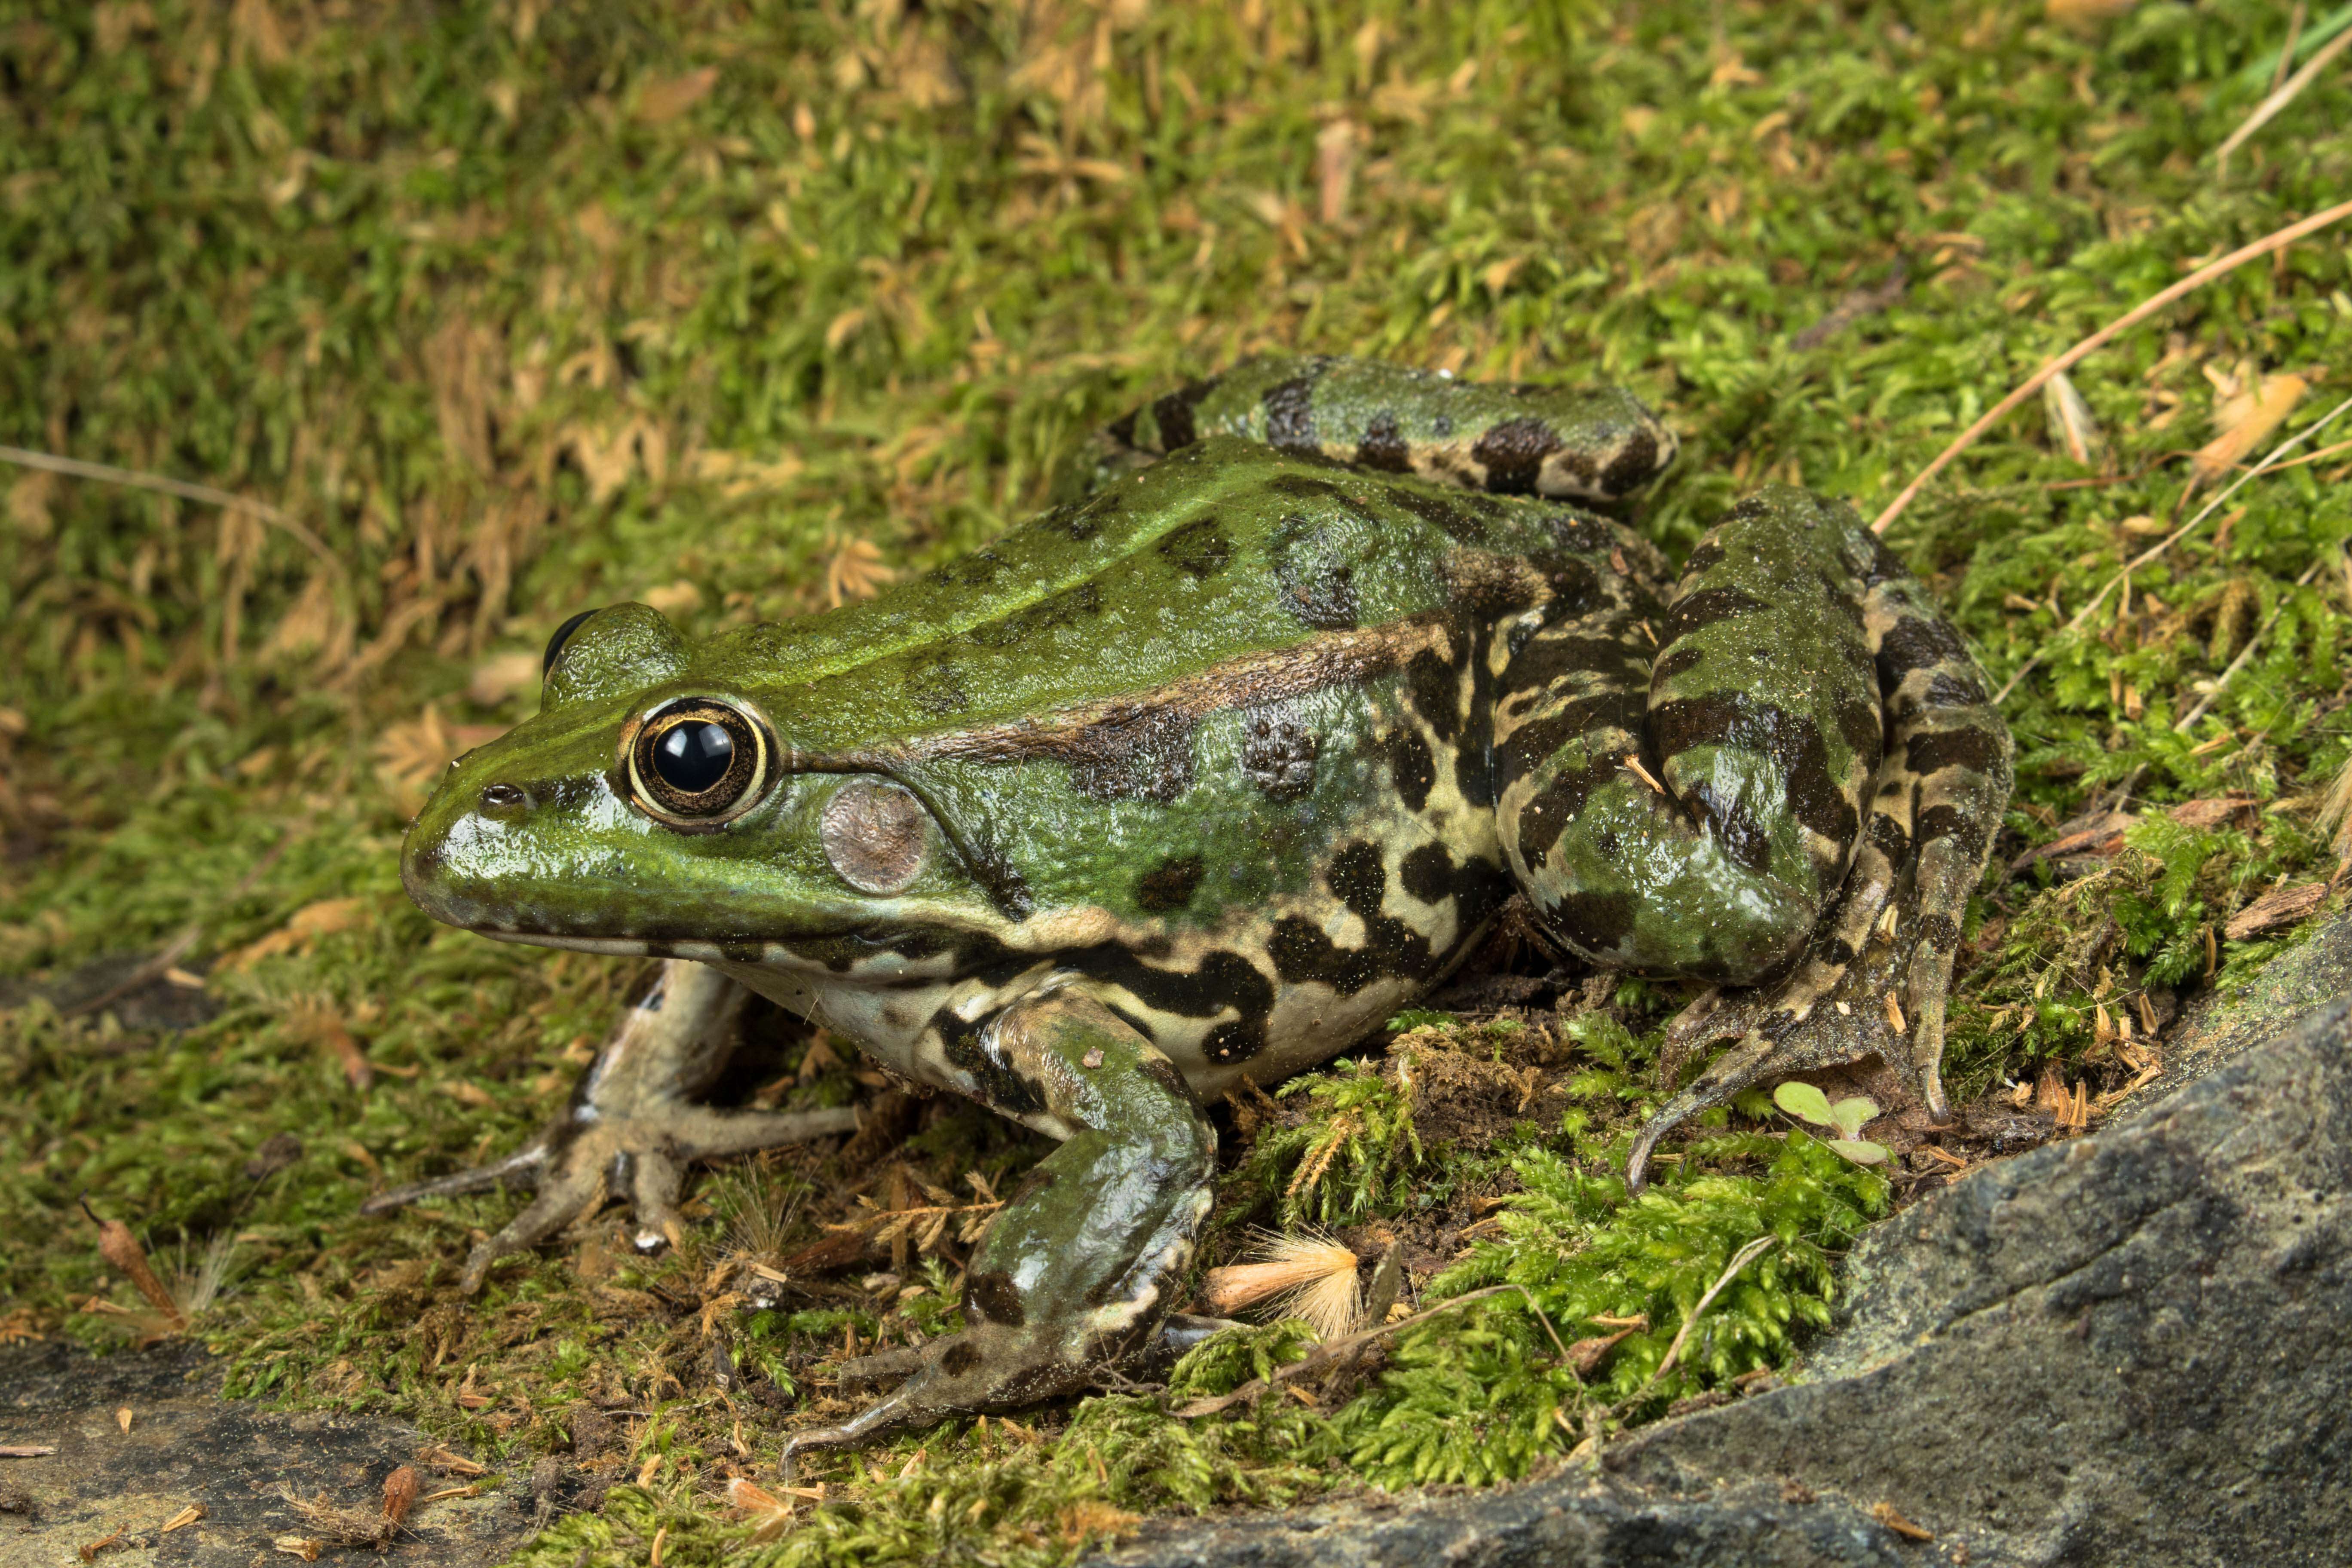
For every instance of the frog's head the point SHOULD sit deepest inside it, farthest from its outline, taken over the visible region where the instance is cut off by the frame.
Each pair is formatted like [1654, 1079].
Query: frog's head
[655, 806]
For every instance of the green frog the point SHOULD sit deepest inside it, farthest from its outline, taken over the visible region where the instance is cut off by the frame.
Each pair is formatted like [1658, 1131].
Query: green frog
[1202, 778]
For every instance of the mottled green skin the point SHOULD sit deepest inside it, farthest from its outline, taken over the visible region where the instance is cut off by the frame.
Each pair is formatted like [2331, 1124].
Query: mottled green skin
[1210, 774]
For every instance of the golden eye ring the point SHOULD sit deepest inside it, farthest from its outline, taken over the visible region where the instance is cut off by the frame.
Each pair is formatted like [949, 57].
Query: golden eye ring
[696, 762]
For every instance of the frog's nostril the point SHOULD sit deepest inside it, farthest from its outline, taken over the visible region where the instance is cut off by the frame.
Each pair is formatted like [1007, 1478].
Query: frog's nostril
[503, 798]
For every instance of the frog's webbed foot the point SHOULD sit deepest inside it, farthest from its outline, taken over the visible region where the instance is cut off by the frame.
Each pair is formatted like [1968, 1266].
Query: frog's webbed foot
[1076, 1274]
[632, 1127]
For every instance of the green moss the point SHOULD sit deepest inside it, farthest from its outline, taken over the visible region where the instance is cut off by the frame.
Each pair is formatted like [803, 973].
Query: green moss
[516, 309]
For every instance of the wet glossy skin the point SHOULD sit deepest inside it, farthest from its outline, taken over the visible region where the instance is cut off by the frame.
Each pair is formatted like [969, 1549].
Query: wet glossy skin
[1208, 775]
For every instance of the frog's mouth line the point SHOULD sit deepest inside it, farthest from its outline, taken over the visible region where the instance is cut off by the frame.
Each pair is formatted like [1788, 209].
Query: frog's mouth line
[611, 946]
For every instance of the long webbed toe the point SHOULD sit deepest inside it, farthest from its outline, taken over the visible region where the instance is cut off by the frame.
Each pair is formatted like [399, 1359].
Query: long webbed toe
[632, 1126]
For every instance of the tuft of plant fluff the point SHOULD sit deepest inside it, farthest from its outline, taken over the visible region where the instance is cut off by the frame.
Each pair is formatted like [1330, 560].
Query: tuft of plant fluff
[1309, 1276]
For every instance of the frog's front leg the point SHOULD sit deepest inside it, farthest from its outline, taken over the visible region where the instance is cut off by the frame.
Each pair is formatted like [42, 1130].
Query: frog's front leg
[1079, 1268]
[633, 1124]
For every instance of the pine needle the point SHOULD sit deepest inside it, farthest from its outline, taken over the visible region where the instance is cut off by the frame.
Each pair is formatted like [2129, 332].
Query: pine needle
[2169, 539]
[2269, 108]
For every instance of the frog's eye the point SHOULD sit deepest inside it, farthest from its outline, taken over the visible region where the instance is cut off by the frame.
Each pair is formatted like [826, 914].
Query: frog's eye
[698, 762]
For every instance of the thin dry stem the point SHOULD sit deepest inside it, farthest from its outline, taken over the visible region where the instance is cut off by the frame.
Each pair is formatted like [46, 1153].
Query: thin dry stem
[2169, 541]
[1739, 1260]
[2294, 21]
[2287, 90]
[107, 473]
[2275, 240]
[2245, 654]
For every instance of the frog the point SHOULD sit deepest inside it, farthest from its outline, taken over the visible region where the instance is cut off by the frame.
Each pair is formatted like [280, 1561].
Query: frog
[1198, 779]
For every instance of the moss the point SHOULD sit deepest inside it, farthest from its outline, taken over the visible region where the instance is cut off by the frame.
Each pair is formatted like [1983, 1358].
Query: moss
[514, 309]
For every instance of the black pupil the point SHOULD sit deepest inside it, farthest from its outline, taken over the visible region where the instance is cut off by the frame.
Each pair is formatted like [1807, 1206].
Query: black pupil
[694, 755]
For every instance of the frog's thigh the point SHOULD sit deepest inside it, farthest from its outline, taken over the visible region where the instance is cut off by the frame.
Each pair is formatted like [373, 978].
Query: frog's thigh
[1696, 818]
[1078, 1266]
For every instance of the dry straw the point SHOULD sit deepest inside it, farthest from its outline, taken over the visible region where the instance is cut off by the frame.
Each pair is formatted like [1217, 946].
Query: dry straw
[2277, 240]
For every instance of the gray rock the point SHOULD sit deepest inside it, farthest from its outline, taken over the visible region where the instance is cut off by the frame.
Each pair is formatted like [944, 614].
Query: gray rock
[2132, 1348]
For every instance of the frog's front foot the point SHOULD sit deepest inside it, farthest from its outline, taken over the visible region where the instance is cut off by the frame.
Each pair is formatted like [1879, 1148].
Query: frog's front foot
[633, 1125]
[1076, 1273]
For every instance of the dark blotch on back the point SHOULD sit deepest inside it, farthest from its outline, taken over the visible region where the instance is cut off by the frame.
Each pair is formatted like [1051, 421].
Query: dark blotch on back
[1173, 414]
[1948, 690]
[1633, 466]
[1688, 657]
[1863, 725]
[1315, 584]
[1446, 515]
[1429, 681]
[1147, 758]
[1171, 885]
[1278, 756]
[1234, 1041]
[1532, 744]
[935, 685]
[1382, 448]
[1199, 549]
[1303, 954]
[993, 1298]
[1915, 643]
[1543, 819]
[1513, 453]
[1428, 874]
[1579, 532]
[1951, 822]
[1598, 924]
[1974, 749]
[1290, 416]
[1705, 609]
[1068, 609]
[1413, 769]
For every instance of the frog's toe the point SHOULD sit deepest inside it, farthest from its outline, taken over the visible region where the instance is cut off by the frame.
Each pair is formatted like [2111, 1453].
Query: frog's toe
[989, 1366]
[655, 1180]
[520, 1168]
[1812, 1020]
[570, 1189]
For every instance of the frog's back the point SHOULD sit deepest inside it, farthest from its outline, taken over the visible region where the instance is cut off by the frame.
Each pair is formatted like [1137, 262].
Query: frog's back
[1219, 734]
[1226, 550]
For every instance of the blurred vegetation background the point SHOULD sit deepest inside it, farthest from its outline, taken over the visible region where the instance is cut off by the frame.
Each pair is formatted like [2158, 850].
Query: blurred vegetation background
[486, 312]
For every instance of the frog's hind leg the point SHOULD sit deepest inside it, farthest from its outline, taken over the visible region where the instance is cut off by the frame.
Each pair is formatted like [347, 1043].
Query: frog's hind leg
[633, 1125]
[1586, 443]
[1875, 979]
[1078, 1269]
[1696, 815]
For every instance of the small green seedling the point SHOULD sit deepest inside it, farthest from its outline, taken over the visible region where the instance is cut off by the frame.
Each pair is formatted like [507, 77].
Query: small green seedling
[1845, 1117]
